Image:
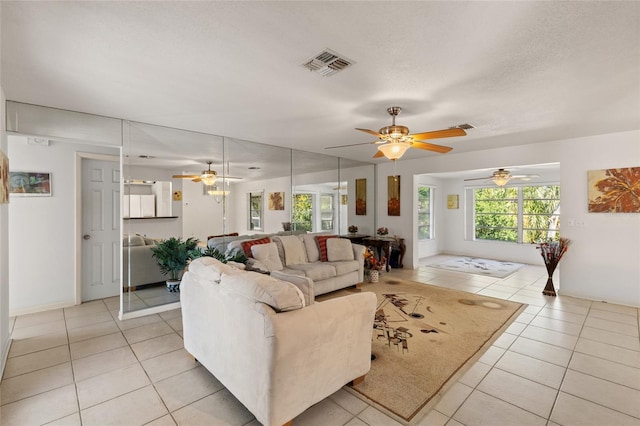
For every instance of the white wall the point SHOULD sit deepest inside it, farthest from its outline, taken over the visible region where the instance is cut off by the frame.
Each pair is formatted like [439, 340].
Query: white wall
[272, 219]
[604, 261]
[42, 229]
[202, 215]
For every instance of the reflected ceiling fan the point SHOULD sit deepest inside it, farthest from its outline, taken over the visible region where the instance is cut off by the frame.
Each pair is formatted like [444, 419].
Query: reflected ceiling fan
[395, 140]
[207, 177]
[502, 176]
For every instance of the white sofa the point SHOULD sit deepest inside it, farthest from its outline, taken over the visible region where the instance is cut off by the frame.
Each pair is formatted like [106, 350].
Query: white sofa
[256, 334]
[300, 255]
[138, 264]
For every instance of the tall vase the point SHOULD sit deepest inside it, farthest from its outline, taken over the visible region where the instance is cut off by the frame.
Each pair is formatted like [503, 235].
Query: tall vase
[549, 289]
[374, 276]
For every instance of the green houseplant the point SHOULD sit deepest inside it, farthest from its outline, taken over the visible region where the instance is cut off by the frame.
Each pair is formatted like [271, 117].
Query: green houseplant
[172, 256]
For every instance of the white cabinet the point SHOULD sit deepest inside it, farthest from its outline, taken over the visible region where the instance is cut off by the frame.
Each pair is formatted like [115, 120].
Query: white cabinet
[146, 200]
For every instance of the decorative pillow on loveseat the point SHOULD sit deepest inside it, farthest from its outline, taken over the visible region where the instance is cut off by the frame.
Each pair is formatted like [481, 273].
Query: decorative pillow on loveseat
[339, 249]
[322, 245]
[280, 295]
[246, 245]
[268, 255]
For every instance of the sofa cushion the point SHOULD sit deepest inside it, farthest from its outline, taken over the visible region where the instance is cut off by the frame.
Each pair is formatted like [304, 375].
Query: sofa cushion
[268, 255]
[246, 245]
[210, 269]
[311, 246]
[322, 245]
[343, 267]
[294, 252]
[339, 249]
[132, 240]
[317, 271]
[280, 295]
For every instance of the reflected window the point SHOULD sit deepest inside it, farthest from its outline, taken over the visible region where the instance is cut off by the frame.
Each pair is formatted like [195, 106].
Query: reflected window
[327, 212]
[255, 211]
[425, 212]
[302, 212]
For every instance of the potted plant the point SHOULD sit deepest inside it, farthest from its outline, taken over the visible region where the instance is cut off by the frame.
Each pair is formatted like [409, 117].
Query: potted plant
[353, 229]
[172, 256]
[372, 265]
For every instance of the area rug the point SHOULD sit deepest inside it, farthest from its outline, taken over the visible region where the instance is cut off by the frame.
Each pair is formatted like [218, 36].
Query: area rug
[475, 265]
[424, 338]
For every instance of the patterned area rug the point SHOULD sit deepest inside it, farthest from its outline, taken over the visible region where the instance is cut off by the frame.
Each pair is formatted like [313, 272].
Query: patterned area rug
[476, 265]
[424, 338]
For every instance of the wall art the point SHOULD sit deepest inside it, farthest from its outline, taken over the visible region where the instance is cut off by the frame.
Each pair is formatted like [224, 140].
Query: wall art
[361, 197]
[4, 178]
[276, 201]
[614, 190]
[30, 184]
[393, 195]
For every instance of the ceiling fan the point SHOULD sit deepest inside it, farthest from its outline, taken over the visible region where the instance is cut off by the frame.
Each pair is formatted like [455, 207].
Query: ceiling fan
[502, 176]
[208, 177]
[394, 140]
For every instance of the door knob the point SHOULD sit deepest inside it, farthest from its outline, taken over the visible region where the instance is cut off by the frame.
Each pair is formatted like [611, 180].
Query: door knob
[86, 236]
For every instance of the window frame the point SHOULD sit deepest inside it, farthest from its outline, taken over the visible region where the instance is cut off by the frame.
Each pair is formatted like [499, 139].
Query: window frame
[259, 210]
[521, 204]
[430, 213]
[332, 211]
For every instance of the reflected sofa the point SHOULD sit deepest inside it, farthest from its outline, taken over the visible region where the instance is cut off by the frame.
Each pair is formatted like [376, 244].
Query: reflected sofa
[138, 265]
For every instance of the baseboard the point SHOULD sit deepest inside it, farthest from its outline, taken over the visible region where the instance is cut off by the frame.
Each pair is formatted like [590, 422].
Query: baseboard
[41, 308]
[148, 311]
[5, 355]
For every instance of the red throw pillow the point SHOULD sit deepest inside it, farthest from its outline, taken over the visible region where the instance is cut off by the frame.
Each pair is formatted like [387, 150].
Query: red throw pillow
[322, 245]
[246, 246]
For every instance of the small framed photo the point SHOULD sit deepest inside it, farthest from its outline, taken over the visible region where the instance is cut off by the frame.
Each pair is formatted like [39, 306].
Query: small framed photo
[30, 184]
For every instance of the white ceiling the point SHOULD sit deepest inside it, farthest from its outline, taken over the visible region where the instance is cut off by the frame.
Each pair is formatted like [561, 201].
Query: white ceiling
[521, 72]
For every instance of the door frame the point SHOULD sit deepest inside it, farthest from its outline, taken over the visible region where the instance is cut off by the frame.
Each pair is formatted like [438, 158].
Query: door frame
[77, 238]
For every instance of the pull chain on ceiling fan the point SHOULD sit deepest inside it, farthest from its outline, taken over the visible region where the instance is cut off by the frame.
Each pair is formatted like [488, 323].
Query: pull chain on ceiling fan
[395, 140]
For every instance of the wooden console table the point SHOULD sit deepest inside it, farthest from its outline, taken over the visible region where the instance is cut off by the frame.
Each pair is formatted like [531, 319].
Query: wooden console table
[384, 245]
[355, 238]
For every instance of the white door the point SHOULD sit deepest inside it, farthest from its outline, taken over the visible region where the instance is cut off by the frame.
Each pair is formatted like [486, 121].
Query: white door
[100, 229]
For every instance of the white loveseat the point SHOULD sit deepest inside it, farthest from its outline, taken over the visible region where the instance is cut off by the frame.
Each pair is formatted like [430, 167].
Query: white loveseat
[275, 353]
[301, 255]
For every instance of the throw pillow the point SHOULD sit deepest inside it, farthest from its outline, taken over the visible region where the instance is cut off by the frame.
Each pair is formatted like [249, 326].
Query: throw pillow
[246, 246]
[130, 240]
[268, 255]
[339, 249]
[322, 245]
[294, 253]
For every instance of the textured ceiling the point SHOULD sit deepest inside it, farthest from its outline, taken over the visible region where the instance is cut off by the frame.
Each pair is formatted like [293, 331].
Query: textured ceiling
[521, 72]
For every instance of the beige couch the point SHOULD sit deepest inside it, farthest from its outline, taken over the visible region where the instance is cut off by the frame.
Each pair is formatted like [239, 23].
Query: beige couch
[274, 352]
[300, 255]
[138, 265]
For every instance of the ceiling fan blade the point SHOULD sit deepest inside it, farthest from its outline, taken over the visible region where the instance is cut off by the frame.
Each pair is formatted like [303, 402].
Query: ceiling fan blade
[353, 144]
[197, 179]
[524, 176]
[445, 133]
[185, 176]
[371, 132]
[482, 178]
[431, 147]
[379, 154]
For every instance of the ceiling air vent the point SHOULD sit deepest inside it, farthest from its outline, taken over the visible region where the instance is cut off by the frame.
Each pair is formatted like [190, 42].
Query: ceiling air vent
[327, 63]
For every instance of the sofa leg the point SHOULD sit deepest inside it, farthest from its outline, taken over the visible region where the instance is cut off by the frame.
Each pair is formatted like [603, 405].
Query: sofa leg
[289, 423]
[359, 285]
[357, 380]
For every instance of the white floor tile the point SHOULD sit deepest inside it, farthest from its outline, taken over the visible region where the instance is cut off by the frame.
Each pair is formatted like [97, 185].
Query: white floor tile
[542, 351]
[549, 336]
[533, 369]
[606, 351]
[36, 361]
[184, 388]
[219, 408]
[613, 326]
[157, 346]
[42, 408]
[570, 410]
[96, 345]
[483, 409]
[349, 402]
[136, 408]
[23, 347]
[607, 370]
[453, 398]
[611, 338]
[30, 384]
[169, 364]
[374, 417]
[106, 386]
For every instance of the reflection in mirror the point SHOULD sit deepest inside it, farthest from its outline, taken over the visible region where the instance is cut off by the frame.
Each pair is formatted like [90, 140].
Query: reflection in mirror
[223, 190]
[364, 218]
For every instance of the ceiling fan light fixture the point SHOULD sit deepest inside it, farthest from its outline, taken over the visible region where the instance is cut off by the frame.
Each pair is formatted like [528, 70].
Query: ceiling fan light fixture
[501, 177]
[394, 150]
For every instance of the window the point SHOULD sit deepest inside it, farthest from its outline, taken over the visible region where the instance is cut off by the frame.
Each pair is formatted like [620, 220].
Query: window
[425, 210]
[302, 212]
[255, 211]
[326, 212]
[517, 214]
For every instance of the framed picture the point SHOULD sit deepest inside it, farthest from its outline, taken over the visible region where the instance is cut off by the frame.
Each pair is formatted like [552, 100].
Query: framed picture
[453, 201]
[361, 197]
[4, 178]
[344, 200]
[276, 201]
[393, 195]
[29, 184]
[614, 190]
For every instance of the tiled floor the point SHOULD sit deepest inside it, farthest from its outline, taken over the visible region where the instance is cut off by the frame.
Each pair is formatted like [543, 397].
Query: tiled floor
[565, 361]
[148, 297]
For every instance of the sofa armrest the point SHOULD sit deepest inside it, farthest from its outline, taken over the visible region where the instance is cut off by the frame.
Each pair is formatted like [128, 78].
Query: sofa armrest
[303, 283]
[358, 254]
